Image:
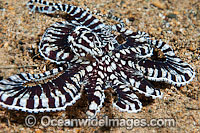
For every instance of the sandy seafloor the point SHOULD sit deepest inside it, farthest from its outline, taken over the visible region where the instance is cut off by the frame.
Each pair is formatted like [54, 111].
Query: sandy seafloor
[175, 22]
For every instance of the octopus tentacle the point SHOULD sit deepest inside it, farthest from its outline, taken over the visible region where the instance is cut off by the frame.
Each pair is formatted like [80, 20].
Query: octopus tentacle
[136, 43]
[142, 86]
[172, 70]
[29, 93]
[96, 98]
[126, 99]
[137, 82]
[54, 45]
[129, 33]
[76, 12]
[94, 90]
[84, 17]
[167, 71]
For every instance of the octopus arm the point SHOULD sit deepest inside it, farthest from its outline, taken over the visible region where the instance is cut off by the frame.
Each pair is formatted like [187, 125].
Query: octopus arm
[136, 44]
[82, 16]
[95, 94]
[127, 100]
[141, 85]
[54, 45]
[170, 71]
[140, 47]
[31, 93]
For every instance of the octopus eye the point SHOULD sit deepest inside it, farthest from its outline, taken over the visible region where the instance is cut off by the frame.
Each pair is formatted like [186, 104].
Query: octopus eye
[120, 39]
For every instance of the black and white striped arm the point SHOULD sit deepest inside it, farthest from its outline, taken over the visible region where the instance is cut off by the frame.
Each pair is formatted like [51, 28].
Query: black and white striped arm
[55, 45]
[28, 92]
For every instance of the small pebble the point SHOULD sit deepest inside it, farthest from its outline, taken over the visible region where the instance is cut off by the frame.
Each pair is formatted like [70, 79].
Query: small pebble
[63, 114]
[190, 87]
[169, 93]
[20, 42]
[149, 110]
[38, 131]
[187, 54]
[159, 4]
[6, 44]
[131, 19]
[191, 48]
[171, 15]
[183, 89]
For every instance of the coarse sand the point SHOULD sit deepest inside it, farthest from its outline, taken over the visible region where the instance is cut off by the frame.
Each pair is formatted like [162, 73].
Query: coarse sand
[175, 22]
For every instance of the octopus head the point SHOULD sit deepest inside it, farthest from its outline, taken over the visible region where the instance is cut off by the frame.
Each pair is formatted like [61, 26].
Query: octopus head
[85, 42]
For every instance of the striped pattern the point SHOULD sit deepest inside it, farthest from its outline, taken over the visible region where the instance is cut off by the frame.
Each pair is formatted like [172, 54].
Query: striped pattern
[125, 88]
[52, 95]
[92, 60]
[83, 17]
[139, 45]
[173, 70]
[126, 99]
[79, 14]
[94, 87]
[54, 45]
[96, 96]
[127, 77]
[85, 42]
